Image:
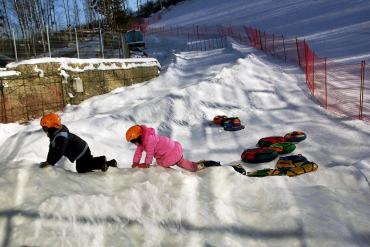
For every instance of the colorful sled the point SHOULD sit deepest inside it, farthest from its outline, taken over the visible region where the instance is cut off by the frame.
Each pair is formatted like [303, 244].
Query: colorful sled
[291, 161]
[229, 123]
[283, 147]
[303, 168]
[265, 173]
[295, 136]
[268, 141]
[292, 165]
[234, 128]
[259, 155]
[219, 119]
[232, 124]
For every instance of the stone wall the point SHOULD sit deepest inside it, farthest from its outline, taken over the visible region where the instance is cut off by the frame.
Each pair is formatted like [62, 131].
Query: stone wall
[97, 82]
[36, 89]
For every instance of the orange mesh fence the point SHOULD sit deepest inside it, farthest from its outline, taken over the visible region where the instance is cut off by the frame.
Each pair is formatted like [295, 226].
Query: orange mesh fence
[343, 88]
[340, 88]
[320, 79]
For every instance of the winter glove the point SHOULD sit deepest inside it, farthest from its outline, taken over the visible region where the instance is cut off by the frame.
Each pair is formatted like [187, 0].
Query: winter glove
[44, 164]
[142, 165]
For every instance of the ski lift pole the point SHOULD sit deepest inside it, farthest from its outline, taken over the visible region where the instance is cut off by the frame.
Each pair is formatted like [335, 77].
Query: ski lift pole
[47, 36]
[78, 52]
[101, 44]
[15, 46]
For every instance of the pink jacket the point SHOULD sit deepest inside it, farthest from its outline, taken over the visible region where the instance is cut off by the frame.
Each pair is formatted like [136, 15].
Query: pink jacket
[166, 151]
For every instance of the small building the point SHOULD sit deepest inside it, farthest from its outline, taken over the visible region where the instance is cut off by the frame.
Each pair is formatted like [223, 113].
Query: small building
[134, 39]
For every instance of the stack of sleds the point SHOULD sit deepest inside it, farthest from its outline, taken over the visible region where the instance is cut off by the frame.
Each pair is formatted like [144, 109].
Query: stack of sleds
[292, 165]
[269, 148]
[228, 123]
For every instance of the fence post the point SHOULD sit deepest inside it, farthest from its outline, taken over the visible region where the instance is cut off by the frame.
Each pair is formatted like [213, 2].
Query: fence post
[249, 37]
[363, 84]
[284, 47]
[15, 46]
[101, 44]
[298, 55]
[326, 85]
[313, 73]
[362, 89]
[47, 37]
[273, 44]
[78, 52]
[306, 59]
[260, 38]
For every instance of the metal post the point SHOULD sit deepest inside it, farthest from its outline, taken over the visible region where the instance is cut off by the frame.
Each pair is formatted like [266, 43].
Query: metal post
[78, 52]
[101, 44]
[47, 36]
[306, 59]
[326, 86]
[298, 55]
[313, 73]
[284, 47]
[260, 39]
[362, 89]
[15, 46]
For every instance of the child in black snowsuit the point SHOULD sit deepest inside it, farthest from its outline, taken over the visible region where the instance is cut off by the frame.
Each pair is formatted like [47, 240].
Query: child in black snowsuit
[64, 143]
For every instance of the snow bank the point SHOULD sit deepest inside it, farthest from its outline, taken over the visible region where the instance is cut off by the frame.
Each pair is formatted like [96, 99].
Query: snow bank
[69, 64]
[7, 73]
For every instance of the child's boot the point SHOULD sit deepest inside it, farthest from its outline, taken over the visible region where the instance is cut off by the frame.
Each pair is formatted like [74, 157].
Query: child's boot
[112, 163]
[105, 165]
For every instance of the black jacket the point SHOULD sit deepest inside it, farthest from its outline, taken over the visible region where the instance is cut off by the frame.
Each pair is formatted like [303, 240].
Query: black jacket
[64, 143]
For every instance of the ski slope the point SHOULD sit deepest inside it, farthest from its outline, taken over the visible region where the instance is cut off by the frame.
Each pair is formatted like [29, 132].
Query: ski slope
[338, 29]
[56, 206]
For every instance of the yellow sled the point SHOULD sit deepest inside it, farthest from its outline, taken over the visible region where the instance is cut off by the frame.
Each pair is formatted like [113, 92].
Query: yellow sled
[303, 168]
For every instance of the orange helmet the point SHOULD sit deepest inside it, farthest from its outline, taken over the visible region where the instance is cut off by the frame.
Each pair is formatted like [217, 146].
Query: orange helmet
[134, 132]
[51, 120]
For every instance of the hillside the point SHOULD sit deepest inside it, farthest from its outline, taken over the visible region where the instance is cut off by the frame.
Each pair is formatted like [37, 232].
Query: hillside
[56, 206]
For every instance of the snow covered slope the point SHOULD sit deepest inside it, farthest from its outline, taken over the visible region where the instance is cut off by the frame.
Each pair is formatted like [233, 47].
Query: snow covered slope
[335, 28]
[170, 207]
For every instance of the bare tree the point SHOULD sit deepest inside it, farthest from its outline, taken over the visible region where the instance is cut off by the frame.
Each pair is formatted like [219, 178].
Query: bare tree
[76, 13]
[66, 11]
[4, 18]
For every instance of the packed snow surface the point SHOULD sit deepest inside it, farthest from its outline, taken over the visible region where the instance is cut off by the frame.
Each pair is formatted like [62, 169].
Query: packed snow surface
[56, 206]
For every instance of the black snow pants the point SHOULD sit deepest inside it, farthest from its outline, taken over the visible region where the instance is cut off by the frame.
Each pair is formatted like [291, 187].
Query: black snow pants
[88, 163]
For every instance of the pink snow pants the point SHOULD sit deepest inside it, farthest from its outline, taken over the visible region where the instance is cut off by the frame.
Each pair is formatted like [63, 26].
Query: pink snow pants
[177, 159]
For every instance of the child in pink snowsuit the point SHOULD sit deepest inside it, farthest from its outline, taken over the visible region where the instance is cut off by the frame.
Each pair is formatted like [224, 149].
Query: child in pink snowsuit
[166, 151]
